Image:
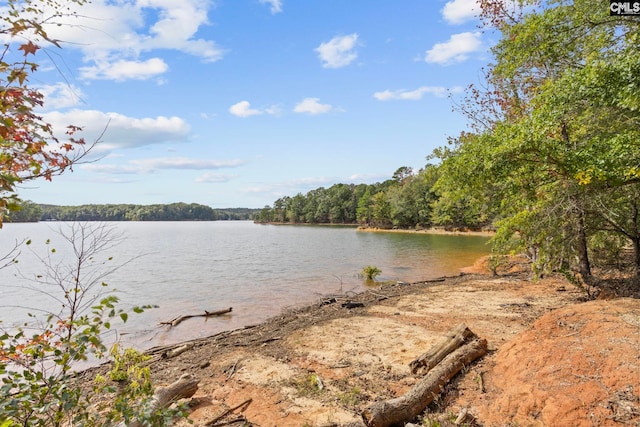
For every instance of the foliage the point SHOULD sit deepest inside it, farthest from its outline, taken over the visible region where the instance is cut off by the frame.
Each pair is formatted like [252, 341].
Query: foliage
[129, 392]
[29, 149]
[26, 211]
[555, 131]
[370, 272]
[37, 359]
[406, 201]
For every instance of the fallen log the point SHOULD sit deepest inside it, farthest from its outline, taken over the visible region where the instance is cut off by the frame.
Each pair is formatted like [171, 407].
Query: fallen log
[176, 321]
[454, 339]
[176, 351]
[408, 406]
[185, 387]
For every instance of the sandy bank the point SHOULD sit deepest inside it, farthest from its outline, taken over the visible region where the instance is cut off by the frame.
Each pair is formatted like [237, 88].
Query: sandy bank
[438, 231]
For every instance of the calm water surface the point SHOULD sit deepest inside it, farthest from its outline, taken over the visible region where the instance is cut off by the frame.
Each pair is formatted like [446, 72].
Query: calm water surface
[259, 270]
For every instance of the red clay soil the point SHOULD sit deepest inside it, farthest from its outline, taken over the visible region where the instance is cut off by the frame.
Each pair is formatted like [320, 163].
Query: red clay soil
[575, 366]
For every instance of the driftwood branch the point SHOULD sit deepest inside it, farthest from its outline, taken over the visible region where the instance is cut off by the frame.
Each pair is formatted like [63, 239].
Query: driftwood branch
[176, 321]
[185, 387]
[408, 406]
[454, 339]
[176, 351]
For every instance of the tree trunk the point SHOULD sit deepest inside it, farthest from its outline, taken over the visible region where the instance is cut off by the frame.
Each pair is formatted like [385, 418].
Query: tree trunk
[584, 266]
[636, 254]
[454, 339]
[635, 220]
[405, 408]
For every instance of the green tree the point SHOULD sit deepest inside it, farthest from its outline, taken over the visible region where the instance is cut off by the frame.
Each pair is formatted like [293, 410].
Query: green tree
[295, 208]
[402, 173]
[265, 215]
[556, 127]
[26, 211]
[364, 211]
[279, 209]
[342, 204]
[381, 210]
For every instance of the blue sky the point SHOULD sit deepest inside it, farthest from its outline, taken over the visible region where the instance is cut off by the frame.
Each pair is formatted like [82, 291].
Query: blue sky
[235, 103]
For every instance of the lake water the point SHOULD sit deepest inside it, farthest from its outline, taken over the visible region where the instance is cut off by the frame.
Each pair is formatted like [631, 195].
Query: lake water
[259, 270]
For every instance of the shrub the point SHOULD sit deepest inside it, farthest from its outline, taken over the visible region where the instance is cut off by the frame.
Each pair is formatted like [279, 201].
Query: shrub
[370, 272]
[37, 360]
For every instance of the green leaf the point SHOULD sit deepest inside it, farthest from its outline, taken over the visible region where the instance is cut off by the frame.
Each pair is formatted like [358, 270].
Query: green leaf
[124, 316]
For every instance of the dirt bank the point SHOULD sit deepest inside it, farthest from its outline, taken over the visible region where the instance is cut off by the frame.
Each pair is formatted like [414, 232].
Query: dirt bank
[553, 360]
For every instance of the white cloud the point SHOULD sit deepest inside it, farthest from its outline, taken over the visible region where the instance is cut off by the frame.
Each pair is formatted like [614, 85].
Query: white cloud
[60, 95]
[284, 188]
[183, 163]
[460, 11]
[338, 52]
[243, 109]
[312, 106]
[125, 70]
[276, 5]
[413, 95]
[113, 35]
[215, 177]
[120, 131]
[150, 165]
[274, 110]
[456, 49]
[367, 178]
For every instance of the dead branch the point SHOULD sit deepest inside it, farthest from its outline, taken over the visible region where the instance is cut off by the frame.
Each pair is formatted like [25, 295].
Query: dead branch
[176, 321]
[228, 411]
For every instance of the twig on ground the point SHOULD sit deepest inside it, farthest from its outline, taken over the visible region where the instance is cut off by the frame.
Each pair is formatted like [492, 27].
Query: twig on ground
[244, 404]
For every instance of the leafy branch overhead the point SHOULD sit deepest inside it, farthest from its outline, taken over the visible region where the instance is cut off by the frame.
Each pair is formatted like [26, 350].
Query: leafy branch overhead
[29, 146]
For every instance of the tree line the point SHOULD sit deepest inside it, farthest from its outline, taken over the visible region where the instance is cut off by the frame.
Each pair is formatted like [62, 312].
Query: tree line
[32, 212]
[407, 200]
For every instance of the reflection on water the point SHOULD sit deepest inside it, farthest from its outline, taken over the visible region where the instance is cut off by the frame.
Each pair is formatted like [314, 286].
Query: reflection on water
[189, 267]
